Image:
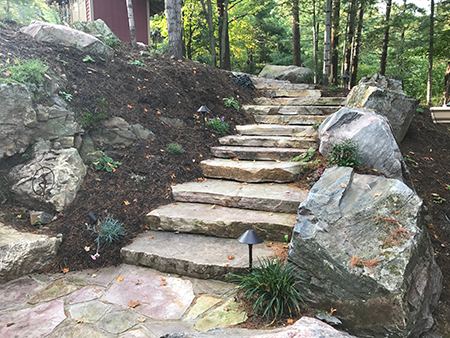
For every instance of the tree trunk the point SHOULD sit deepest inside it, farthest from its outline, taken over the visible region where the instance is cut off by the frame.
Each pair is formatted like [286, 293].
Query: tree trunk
[173, 15]
[296, 48]
[315, 40]
[131, 23]
[212, 39]
[385, 38]
[357, 46]
[430, 55]
[327, 44]
[335, 41]
[225, 62]
[351, 16]
[447, 84]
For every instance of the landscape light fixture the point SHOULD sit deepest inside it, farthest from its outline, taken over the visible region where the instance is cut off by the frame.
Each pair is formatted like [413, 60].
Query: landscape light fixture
[92, 217]
[250, 237]
[345, 78]
[203, 110]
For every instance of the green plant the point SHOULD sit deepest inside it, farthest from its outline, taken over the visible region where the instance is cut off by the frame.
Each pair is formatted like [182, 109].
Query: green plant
[88, 120]
[218, 125]
[108, 231]
[2, 24]
[58, 58]
[271, 288]
[37, 222]
[231, 102]
[30, 71]
[67, 96]
[345, 154]
[317, 124]
[174, 148]
[104, 162]
[137, 63]
[410, 160]
[111, 42]
[305, 157]
[438, 199]
[419, 111]
[394, 270]
[88, 58]
[286, 239]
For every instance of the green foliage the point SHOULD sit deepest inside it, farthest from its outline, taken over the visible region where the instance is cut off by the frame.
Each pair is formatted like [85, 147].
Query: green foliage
[137, 63]
[110, 230]
[111, 42]
[411, 161]
[21, 71]
[25, 11]
[271, 288]
[438, 199]
[345, 154]
[174, 148]
[218, 125]
[66, 96]
[231, 102]
[305, 157]
[419, 111]
[89, 121]
[317, 124]
[88, 58]
[104, 162]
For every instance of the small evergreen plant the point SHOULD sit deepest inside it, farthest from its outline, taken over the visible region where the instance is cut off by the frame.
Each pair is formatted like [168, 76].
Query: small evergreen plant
[345, 154]
[218, 125]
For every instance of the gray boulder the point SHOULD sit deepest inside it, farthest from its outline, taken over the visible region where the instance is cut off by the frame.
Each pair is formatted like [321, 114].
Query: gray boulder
[22, 253]
[365, 250]
[377, 146]
[52, 177]
[289, 73]
[62, 35]
[97, 28]
[385, 96]
[17, 119]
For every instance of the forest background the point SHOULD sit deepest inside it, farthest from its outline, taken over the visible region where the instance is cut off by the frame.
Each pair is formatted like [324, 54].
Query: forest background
[365, 36]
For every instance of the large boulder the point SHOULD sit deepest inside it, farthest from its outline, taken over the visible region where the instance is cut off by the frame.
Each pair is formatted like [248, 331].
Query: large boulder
[377, 146]
[289, 73]
[365, 250]
[23, 253]
[385, 95]
[97, 28]
[51, 178]
[62, 35]
[17, 119]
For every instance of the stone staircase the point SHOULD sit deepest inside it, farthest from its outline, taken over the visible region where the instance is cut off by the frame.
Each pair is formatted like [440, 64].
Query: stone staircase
[247, 187]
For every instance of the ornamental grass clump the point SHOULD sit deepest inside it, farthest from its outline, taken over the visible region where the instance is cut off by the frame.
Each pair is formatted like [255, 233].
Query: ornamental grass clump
[345, 154]
[270, 286]
[108, 231]
[218, 124]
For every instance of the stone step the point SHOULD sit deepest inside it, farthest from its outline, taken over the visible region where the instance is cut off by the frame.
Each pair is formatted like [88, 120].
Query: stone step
[248, 171]
[257, 196]
[263, 83]
[300, 101]
[268, 141]
[192, 255]
[256, 153]
[290, 110]
[276, 130]
[290, 119]
[311, 93]
[218, 221]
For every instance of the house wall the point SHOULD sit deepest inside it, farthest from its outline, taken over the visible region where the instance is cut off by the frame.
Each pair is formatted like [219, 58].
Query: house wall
[114, 13]
[78, 8]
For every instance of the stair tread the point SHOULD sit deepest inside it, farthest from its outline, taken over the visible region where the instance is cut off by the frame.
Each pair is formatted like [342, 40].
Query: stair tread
[269, 141]
[290, 110]
[276, 129]
[290, 119]
[300, 101]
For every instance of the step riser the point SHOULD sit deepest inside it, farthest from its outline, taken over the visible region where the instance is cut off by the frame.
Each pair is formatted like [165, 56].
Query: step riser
[292, 93]
[263, 154]
[289, 120]
[260, 141]
[277, 130]
[321, 101]
[290, 110]
[278, 175]
[262, 83]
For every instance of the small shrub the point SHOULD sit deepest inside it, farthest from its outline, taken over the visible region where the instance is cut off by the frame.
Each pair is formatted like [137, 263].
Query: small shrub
[30, 71]
[111, 230]
[305, 157]
[66, 96]
[317, 124]
[104, 162]
[345, 154]
[137, 63]
[88, 120]
[174, 148]
[231, 102]
[111, 42]
[419, 111]
[218, 125]
[271, 288]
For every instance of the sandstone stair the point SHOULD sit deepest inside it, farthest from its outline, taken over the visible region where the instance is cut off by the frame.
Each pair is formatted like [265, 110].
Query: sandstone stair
[247, 186]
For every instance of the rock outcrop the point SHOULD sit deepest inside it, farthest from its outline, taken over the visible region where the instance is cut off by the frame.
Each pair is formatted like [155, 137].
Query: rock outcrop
[62, 35]
[363, 245]
[385, 96]
[377, 146]
[293, 74]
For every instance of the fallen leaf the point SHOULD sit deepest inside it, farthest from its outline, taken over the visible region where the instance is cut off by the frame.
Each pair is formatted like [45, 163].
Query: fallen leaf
[126, 202]
[94, 275]
[172, 176]
[176, 232]
[19, 216]
[130, 106]
[138, 282]
[145, 110]
[133, 304]
[200, 155]
[135, 200]
[332, 311]
[119, 279]
[396, 212]
[147, 156]
[213, 207]
[176, 203]
[79, 320]
[163, 279]
[377, 194]
[9, 324]
[200, 179]
[226, 264]
[60, 214]
[227, 308]
[343, 185]
[290, 321]
[158, 112]
[188, 169]
[163, 283]
[141, 320]
[435, 236]
[66, 270]
[87, 248]
[230, 257]
[213, 135]
[150, 237]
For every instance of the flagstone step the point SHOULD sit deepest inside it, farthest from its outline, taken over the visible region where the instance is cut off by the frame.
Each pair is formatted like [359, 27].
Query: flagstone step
[290, 119]
[256, 196]
[310, 93]
[300, 101]
[263, 83]
[248, 171]
[268, 141]
[192, 255]
[276, 130]
[290, 110]
[256, 153]
[218, 221]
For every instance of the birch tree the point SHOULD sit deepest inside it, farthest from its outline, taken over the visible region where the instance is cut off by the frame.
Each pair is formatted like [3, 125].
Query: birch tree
[131, 24]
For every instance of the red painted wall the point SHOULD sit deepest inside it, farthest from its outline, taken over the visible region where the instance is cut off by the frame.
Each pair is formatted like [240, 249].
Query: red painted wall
[114, 13]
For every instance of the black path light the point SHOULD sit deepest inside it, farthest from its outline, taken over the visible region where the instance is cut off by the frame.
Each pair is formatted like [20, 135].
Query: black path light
[92, 217]
[250, 237]
[203, 110]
